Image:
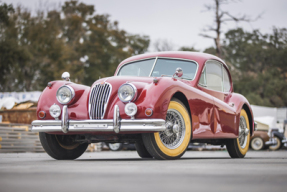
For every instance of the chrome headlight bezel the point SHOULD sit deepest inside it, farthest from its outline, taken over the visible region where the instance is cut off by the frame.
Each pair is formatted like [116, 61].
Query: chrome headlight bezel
[133, 95]
[72, 93]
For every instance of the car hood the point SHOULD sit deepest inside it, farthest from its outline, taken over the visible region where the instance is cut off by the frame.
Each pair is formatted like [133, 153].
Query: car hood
[116, 81]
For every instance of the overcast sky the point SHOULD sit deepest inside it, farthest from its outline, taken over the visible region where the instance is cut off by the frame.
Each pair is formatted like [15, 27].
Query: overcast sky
[179, 21]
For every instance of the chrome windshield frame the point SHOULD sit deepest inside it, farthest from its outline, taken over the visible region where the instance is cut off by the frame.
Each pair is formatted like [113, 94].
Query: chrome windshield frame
[156, 58]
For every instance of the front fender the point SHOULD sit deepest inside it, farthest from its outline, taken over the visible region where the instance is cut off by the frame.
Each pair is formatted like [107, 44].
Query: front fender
[78, 109]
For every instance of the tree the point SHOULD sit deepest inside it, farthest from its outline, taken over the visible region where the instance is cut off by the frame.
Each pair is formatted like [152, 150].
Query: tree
[38, 49]
[221, 17]
[188, 49]
[258, 65]
[5, 10]
[163, 45]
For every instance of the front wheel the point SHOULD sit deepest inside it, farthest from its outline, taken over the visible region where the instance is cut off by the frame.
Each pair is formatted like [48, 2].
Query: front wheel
[237, 148]
[62, 147]
[173, 142]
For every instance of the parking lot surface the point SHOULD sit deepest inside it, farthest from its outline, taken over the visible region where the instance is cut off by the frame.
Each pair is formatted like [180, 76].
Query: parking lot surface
[125, 171]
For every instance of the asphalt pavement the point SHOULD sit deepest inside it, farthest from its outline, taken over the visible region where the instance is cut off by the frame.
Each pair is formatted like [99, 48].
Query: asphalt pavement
[125, 171]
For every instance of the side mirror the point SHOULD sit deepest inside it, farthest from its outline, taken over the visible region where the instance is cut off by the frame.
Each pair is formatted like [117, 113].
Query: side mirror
[178, 72]
[66, 76]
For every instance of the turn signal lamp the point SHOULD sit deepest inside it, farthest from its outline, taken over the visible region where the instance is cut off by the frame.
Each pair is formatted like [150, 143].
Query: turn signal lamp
[42, 114]
[148, 112]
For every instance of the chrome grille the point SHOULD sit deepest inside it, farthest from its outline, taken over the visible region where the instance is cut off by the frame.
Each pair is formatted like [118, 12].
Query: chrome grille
[99, 98]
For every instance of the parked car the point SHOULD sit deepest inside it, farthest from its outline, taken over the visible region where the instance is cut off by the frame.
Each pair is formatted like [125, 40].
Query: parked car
[161, 101]
[271, 138]
[261, 140]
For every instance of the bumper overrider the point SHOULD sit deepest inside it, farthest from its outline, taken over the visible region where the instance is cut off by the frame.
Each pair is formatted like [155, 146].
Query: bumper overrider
[104, 125]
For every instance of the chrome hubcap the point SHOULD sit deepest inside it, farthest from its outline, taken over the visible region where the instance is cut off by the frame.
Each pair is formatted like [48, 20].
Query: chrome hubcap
[114, 146]
[243, 132]
[257, 144]
[173, 136]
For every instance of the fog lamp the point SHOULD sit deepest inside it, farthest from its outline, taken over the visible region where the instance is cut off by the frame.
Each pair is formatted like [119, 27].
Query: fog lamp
[131, 109]
[55, 111]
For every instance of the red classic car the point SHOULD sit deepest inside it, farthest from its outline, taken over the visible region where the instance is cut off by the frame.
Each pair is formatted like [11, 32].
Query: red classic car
[160, 101]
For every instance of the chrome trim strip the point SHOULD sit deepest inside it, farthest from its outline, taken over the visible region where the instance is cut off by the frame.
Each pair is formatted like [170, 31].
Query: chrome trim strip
[126, 125]
[116, 119]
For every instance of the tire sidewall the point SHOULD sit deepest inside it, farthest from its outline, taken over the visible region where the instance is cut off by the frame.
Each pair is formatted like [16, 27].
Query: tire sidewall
[55, 150]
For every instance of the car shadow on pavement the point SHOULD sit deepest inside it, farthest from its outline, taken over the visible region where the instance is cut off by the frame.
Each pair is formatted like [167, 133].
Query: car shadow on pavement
[116, 159]
[148, 159]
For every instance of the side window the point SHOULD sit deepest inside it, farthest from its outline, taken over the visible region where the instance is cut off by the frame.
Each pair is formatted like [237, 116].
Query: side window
[226, 81]
[214, 76]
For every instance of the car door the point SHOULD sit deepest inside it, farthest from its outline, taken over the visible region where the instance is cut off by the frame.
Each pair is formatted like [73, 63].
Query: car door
[215, 80]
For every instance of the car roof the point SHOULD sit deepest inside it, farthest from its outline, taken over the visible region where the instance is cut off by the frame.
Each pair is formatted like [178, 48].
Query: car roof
[199, 57]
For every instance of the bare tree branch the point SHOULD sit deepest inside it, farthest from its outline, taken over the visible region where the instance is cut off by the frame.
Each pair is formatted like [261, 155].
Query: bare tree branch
[207, 36]
[220, 18]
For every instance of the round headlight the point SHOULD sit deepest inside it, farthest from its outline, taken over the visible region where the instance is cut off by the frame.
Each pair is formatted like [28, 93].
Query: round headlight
[127, 92]
[55, 111]
[131, 109]
[65, 94]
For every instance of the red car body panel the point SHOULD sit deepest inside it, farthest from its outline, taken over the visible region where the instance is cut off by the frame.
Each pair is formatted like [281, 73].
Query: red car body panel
[211, 112]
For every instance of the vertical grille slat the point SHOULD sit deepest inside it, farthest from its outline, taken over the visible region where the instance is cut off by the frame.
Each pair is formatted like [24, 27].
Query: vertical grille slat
[94, 99]
[98, 105]
[104, 98]
[99, 98]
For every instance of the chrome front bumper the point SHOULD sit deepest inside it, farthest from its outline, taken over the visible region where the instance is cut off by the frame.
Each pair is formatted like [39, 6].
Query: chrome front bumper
[106, 125]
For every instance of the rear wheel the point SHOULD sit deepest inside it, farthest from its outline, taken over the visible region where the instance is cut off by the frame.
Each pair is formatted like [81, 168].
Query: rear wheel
[257, 143]
[115, 146]
[277, 146]
[173, 142]
[62, 147]
[237, 148]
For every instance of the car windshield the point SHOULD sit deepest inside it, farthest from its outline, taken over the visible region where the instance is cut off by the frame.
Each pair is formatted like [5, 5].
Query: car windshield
[162, 67]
